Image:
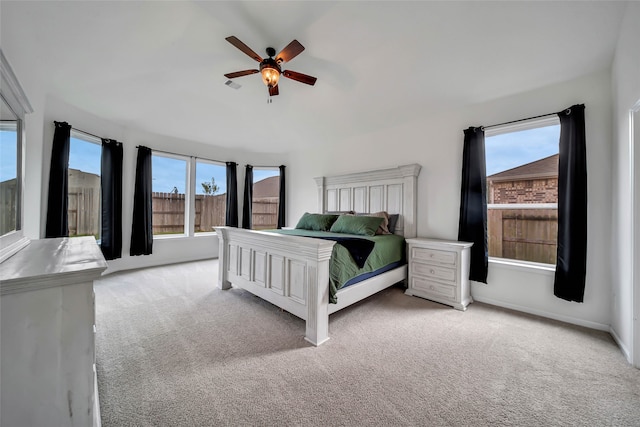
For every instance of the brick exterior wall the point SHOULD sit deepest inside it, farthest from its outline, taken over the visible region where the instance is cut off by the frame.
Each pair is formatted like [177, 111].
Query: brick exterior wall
[524, 191]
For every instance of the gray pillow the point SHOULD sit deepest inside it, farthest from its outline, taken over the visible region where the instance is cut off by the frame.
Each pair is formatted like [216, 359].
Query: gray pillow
[384, 225]
[393, 220]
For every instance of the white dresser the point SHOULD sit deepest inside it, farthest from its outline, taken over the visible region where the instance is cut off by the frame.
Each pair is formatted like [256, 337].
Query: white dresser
[47, 347]
[439, 271]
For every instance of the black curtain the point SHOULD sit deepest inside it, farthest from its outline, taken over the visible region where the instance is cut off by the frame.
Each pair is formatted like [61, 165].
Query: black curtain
[231, 216]
[141, 229]
[248, 197]
[111, 199]
[572, 207]
[282, 206]
[58, 202]
[473, 203]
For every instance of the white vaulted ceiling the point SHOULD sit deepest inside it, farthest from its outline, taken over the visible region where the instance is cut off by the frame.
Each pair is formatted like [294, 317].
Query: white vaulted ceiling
[158, 66]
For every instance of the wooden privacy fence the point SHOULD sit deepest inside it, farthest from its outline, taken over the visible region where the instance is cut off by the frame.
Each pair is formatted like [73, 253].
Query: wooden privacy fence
[264, 213]
[9, 203]
[523, 234]
[84, 211]
[168, 212]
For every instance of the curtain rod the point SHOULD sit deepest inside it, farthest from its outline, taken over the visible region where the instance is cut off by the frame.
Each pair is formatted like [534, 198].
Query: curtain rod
[266, 167]
[185, 155]
[567, 111]
[87, 133]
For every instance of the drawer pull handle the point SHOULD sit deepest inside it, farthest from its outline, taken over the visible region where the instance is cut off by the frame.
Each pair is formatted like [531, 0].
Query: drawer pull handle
[433, 272]
[431, 255]
[431, 287]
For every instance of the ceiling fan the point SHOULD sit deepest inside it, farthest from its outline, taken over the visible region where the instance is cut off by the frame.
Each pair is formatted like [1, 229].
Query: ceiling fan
[270, 67]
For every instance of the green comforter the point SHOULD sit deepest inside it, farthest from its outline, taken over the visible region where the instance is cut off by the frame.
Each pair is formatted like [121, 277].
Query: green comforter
[389, 248]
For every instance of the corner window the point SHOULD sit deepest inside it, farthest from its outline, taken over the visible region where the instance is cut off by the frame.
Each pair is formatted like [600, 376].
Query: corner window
[266, 196]
[83, 194]
[210, 195]
[169, 176]
[522, 190]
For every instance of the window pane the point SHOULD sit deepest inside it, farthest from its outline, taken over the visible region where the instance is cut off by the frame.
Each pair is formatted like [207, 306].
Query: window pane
[522, 169]
[211, 196]
[266, 195]
[8, 176]
[84, 188]
[168, 199]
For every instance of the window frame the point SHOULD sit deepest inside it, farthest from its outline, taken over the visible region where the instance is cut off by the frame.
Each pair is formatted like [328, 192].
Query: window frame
[189, 214]
[510, 263]
[90, 139]
[192, 200]
[13, 95]
[265, 168]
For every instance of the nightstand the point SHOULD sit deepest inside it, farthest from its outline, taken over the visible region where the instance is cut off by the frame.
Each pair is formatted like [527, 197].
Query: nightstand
[439, 271]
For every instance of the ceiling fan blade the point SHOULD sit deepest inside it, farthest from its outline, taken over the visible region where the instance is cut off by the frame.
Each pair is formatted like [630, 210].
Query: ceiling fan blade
[273, 91]
[299, 77]
[244, 48]
[240, 73]
[292, 50]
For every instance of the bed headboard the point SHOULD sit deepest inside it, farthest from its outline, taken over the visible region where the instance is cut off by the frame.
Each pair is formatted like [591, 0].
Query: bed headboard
[393, 190]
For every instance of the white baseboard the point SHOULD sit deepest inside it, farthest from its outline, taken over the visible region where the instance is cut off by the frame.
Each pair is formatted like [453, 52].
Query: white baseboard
[623, 348]
[542, 313]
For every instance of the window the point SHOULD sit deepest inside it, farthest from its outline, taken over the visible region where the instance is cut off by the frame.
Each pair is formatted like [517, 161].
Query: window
[522, 190]
[8, 175]
[169, 176]
[266, 196]
[84, 185]
[210, 195]
[14, 105]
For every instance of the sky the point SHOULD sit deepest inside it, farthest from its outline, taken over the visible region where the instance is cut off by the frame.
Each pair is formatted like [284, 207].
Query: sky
[513, 149]
[169, 173]
[84, 156]
[8, 153]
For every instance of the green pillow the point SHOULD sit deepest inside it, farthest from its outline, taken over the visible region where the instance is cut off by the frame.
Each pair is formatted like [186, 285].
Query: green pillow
[361, 225]
[317, 222]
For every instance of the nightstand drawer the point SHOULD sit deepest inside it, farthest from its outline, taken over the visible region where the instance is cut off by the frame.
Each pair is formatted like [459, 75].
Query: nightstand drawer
[434, 271]
[432, 255]
[433, 288]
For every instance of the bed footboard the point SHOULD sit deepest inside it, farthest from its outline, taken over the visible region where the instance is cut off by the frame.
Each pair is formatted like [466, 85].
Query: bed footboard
[290, 272]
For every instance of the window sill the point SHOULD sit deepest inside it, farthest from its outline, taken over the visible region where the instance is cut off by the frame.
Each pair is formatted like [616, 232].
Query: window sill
[525, 266]
[169, 236]
[182, 236]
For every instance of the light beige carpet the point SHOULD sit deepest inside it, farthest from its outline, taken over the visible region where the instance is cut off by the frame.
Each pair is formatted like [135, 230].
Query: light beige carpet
[172, 350]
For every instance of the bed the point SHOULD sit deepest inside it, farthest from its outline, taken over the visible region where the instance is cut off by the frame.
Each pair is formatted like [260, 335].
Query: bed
[292, 272]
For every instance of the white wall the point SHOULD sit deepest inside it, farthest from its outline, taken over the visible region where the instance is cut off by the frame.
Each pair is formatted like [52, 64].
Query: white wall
[435, 142]
[626, 92]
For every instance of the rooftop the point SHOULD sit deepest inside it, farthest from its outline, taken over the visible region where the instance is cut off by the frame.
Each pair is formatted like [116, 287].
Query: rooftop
[547, 167]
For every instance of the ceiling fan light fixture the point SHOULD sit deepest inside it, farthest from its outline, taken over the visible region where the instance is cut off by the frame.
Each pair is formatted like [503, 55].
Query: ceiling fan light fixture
[270, 75]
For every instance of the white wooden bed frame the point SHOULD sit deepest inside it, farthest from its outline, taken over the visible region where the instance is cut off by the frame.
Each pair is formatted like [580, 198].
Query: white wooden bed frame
[292, 272]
